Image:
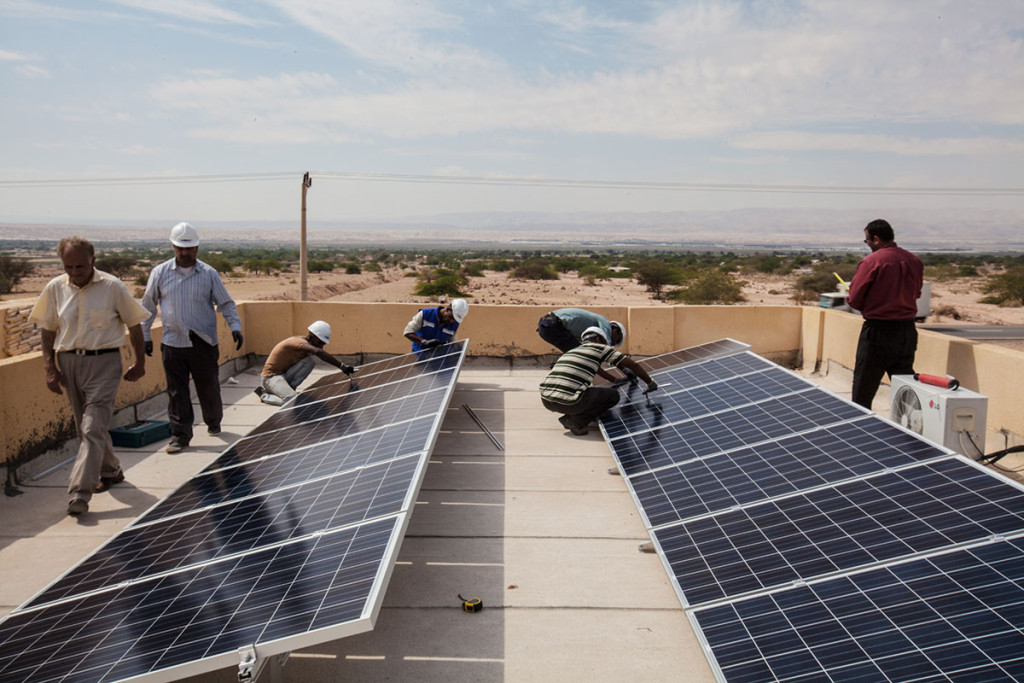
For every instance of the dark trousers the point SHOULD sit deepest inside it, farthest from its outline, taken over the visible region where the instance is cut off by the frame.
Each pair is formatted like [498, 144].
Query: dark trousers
[885, 346]
[553, 331]
[592, 403]
[200, 362]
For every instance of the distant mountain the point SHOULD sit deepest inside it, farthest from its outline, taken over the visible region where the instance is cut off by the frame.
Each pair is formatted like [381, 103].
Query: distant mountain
[741, 228]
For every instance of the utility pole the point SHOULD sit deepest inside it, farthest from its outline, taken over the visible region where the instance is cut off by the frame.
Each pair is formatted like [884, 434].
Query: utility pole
[306, 182]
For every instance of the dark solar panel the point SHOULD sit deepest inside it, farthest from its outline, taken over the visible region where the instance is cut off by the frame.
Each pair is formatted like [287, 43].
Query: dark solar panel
[800, 537]
[675, 403]
[768, 420]
[203, 612]
[362, 383]
[453, 349]
[952, 617]
[287, 540]
[715, 349]
[777, 468]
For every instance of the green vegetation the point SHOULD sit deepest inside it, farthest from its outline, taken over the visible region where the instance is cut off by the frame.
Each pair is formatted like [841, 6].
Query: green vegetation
[440, 282]
[12, 271]
[1006, 289]
[710, 287]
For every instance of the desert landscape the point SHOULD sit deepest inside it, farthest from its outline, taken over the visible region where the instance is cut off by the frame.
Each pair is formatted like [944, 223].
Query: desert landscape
[954, 302]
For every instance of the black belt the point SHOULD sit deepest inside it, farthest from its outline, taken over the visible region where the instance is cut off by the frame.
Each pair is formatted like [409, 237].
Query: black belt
[90, 352]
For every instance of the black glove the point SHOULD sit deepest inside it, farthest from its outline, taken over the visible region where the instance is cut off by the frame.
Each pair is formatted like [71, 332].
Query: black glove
[630, 375]
[431, 343]
[149, 348]
[347, 369]
[237, 336]
[652, 386]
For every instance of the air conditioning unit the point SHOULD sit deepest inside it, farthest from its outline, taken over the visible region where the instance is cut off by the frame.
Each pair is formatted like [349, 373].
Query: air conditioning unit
[954, 418]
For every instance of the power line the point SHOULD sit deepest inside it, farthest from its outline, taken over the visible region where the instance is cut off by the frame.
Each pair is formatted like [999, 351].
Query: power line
[513, 181]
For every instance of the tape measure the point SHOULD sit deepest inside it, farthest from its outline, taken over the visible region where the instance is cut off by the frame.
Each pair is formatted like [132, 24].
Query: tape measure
[471, 604]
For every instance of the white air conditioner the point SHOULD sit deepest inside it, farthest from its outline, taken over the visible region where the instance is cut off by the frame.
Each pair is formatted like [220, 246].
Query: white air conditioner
[954, 418]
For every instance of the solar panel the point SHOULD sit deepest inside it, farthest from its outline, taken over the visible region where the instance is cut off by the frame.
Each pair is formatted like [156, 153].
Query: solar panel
[954, 616]
[286, 541]
[809, 539]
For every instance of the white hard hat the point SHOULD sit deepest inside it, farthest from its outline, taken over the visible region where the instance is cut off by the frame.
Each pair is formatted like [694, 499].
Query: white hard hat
[459, 309]
[592, 331]
[616, 325]
[184, 235]
[322, 331]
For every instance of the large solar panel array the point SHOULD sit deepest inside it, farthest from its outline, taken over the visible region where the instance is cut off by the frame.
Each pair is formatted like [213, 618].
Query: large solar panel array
[287, 540]
[809, 539]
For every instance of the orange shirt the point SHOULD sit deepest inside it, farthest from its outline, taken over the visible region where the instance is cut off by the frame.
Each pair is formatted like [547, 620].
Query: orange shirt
[286, 354]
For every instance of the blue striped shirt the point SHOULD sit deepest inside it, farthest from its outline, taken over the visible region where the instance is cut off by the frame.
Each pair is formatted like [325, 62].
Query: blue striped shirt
[187, 300]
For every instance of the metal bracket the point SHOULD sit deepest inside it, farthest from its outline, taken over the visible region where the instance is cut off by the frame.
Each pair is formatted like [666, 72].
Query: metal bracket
[251, 666]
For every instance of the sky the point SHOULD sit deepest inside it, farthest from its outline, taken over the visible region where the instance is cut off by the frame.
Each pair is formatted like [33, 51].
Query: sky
[155, 111]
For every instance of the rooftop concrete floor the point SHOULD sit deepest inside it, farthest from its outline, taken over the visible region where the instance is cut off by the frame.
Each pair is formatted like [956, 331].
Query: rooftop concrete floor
[540, 531]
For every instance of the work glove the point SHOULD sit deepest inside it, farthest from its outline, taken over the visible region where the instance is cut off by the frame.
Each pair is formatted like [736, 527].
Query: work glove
[237, 336]
[347, 369]
[431, 343]
[652, 386]
[149, 348]
[630, 375]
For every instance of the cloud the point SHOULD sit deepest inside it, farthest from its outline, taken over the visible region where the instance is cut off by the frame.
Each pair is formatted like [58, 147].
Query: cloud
[887, 144]
[7, 56]
[190, 10]
[140, 150]
[32, 71]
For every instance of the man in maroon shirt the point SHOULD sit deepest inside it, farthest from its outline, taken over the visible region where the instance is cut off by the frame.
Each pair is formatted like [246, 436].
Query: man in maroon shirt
[884, 289]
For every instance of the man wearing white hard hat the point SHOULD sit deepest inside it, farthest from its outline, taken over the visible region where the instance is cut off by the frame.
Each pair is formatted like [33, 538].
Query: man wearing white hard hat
[186, 290]
[291, 361]
[568, 387]
[435, 326]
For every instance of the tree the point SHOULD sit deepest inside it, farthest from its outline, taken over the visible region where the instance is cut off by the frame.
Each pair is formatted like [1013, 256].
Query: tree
[320, 266]
[534, 269]
[1006, 289]
[117, 265]
[448, 285]
[655, 275]
[260, 265]
[12, 270]
[218, 263]
[710, 287]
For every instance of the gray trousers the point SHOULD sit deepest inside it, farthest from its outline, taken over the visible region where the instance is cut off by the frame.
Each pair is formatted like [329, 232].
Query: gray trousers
[91, 384]
[279, 388]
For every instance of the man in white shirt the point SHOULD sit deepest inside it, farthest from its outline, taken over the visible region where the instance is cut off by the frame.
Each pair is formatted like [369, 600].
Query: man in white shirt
[82, 317]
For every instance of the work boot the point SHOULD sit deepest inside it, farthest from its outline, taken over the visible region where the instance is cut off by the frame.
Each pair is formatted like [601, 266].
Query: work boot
[107, 482]
[77, 507]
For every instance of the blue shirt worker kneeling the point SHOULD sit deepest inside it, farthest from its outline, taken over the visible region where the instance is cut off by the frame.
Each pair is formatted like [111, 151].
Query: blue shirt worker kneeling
[568, 387]
[432, 327]
[291, 361]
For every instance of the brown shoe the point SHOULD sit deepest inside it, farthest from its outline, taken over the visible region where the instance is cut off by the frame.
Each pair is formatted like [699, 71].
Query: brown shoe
[77, 507]
[107, 482]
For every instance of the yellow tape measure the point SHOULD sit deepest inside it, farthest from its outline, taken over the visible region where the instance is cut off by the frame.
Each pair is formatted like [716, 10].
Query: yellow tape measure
[471, 604]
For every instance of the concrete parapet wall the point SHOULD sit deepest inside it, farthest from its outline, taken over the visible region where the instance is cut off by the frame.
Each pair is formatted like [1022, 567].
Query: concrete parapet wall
[32, 419]
[17, 333]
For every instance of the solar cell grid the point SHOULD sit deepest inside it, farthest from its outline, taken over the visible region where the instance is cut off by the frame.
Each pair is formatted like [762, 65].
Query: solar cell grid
[329, 408]
[228, 480]
[955, 616]
[715, 370]
[721, 347]
[778, 468]
[364, 383]
[454, 349]
[727, 430]
[309, 584]
[634, 413]
[239, 526]
[353, 422]
[881, 518]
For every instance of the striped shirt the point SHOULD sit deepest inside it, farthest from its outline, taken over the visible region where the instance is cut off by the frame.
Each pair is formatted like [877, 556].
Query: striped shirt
[574, 372]
[186, 298]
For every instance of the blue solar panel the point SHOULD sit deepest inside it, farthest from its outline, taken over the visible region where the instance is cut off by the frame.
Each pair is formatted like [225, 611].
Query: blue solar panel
[285, 541]
[749, 475]
[365, 382]
[743, 426]
[694, 354]
[201, 613]
[635, 413]
[844, 527]
[952, 617]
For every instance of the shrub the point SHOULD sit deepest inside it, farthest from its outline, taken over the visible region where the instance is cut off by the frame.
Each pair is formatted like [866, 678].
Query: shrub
[1006, 289]
[12, 271]
[353, 269]
[117, 265]
[449, 285]
[534, 270]
[320, 266]
[822, 279]
[219, 263]
[710, 287]
[655, 275]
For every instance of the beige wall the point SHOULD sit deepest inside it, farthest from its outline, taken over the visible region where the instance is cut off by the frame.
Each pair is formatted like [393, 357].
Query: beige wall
[31, 416]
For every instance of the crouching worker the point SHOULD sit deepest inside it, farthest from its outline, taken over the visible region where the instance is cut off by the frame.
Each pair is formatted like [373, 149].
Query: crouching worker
[568, 387]
[432, 327]
[292, 360]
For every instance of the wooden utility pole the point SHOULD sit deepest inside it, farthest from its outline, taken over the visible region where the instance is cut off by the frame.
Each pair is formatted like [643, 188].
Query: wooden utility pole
[306, 182]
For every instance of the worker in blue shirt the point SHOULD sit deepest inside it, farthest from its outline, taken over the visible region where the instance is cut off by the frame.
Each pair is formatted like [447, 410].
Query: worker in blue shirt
[435, 326]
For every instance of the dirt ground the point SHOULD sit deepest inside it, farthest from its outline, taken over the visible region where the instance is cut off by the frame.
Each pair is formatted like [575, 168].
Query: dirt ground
[958, 296]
